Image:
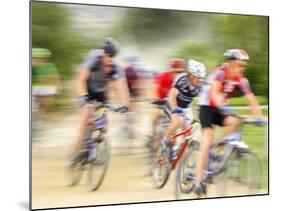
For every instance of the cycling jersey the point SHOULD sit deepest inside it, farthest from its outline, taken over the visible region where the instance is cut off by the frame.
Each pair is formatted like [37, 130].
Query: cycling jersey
[165, 82]
[44, 79]
[132, 76]
[186, 91]
[239, 83]
[96, 84]
[40, 71]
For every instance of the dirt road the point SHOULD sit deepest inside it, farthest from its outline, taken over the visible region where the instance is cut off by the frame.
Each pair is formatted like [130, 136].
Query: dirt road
[124, 182]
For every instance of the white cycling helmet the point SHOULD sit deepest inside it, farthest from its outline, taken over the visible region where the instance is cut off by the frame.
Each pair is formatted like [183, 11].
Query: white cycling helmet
[236, 54]
[196, 68]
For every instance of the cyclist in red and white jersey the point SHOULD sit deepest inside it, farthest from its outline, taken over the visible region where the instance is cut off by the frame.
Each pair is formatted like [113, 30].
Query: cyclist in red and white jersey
[221, 84]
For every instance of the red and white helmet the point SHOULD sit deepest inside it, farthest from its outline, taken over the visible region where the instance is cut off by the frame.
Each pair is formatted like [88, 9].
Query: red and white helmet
[236, 54]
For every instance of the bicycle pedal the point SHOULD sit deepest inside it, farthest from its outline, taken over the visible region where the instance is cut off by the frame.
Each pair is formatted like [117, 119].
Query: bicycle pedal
[201, 190]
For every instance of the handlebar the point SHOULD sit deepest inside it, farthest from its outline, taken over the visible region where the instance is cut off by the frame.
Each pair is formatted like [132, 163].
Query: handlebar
[244, 120]
[111, 107]
[249, 120]
[159, 102]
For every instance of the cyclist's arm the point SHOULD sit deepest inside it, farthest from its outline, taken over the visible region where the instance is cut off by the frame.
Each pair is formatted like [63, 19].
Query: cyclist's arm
[254, 105]
[216, 95]
[173, 98]
[244, 86]
[82, 78]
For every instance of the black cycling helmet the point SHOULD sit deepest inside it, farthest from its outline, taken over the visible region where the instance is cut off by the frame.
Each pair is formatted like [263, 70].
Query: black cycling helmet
[110, 46]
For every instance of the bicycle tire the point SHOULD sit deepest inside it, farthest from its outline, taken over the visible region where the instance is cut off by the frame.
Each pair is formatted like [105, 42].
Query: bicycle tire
[160, 175]
[161, 168]
[100, 163]
[184, 175]
[241, 174]
[75, 169]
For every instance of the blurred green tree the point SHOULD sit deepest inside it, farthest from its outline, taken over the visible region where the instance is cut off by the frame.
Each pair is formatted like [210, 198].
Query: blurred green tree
[150, 25]
[234, 31]
[200, 51]
[51, 30]
[249, 33]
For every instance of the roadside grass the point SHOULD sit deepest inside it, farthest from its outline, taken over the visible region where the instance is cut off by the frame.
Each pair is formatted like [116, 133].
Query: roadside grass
[257, 139]
[240, 101]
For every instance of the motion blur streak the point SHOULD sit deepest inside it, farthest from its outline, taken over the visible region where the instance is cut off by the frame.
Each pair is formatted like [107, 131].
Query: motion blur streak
[69, 32]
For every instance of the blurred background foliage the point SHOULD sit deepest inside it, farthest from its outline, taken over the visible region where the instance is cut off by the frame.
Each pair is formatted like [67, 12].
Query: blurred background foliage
[69, 31]
[201, 36]
[51, 30]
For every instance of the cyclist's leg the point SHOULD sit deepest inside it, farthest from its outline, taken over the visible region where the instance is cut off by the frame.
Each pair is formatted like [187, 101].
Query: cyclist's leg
[84, 114]
[176, 122]
[188, 117]
[208, 137]
[232, 123]
[207, 116]
[156, 114]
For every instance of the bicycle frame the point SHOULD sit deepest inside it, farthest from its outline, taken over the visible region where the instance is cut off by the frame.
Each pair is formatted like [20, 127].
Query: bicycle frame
[185, 133]
[97, 124]
[212, 158]
[231, 145]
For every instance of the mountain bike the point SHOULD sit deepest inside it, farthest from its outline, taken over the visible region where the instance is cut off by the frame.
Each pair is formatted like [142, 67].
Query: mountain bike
[152, 143]
[233, 168]
[165, 163]
[94, 156]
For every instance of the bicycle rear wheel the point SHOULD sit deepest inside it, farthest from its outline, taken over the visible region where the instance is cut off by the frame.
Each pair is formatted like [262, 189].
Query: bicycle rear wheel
[97, 168]
[241, 175]
[153, 144]
[161, 168]
[186, 171]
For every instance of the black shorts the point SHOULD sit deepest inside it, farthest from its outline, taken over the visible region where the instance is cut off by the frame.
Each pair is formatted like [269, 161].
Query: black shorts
[98, 96]
[211, 116]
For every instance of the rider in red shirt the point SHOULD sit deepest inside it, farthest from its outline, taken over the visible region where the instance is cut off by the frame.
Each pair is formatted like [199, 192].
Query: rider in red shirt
[162, 86]
[163, 83]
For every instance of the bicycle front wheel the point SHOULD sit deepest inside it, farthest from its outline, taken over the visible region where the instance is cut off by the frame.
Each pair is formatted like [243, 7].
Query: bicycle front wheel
[75, 168]
[241, 174]
[97, 168]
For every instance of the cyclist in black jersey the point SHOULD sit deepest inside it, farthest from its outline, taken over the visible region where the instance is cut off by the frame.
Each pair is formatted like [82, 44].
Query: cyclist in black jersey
[186, 86]
[93, 79]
